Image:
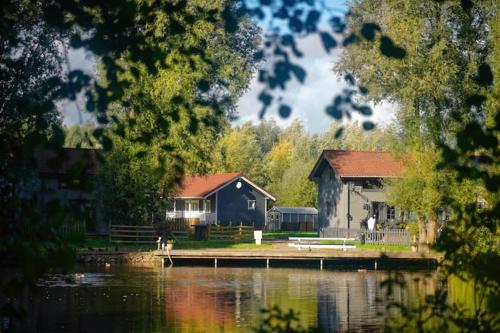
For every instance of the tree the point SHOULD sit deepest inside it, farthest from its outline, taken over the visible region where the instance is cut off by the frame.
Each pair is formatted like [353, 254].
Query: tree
[279, 160]
[295, 189]
[442, 53]
[168, 132]
[80, 136]
[446, 87]
[238, 151]
[128, 189]
[420, 190]
[135, 42]
[267, 133]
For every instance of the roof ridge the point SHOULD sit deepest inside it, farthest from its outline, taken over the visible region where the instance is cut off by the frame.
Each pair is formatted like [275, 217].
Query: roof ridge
[358, 151]
[216, 174]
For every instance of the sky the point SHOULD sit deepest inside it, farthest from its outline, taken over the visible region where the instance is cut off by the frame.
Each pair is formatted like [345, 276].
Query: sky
[308, 100]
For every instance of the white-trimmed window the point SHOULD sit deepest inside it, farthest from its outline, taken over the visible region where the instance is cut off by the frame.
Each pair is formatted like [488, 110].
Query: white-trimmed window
[192, 205]
[207, 206]
[251, 204]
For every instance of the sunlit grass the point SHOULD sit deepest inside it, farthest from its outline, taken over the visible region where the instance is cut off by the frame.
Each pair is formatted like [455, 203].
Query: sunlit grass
[383, 247]
[193, 245]
[286, 234]
[103, 243]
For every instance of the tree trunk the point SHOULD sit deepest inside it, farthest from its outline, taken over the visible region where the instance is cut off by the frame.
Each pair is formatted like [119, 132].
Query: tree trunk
[422, 232]
[431, 229]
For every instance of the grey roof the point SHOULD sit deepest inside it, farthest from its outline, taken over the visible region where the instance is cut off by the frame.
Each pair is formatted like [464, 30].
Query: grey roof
[295, 210]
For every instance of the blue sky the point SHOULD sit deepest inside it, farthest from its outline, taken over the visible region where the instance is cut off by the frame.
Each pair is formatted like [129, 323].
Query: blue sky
[308, 100]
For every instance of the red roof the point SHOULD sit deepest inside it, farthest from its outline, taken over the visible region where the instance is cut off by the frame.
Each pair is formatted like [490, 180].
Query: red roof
[362, 163]
[200, 186]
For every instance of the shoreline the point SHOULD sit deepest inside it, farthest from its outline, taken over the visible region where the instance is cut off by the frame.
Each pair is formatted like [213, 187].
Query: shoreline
[275, 256]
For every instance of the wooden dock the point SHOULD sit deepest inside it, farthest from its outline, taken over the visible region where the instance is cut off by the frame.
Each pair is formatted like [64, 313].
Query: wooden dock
[288, 257]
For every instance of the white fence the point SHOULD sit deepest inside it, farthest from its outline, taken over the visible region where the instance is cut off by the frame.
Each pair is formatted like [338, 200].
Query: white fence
[384, 236]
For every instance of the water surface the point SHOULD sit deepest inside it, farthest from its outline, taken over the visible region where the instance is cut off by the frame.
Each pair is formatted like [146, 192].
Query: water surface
[206, 299]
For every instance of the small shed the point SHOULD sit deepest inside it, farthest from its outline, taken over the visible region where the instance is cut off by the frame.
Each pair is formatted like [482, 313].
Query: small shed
[292, 219]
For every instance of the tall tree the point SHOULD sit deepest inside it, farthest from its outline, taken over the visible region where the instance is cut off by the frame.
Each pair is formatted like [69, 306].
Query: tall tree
[267, 133]
[80, 136]
[238, 151]
[432, 81]
[420, 190]
[445, 85]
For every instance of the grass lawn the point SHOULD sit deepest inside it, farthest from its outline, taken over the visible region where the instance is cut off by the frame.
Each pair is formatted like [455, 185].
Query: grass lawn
[371, 246]
[286, 234]
[384, 247]
[194, 245]
[102, 242]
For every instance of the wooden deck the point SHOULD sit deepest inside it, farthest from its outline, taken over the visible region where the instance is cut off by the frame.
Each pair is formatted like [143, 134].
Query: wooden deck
[280, 255]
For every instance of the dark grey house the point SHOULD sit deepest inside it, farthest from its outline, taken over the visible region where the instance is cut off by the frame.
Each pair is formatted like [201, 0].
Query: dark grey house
[223, 199]
[350, 187]
[292, 219]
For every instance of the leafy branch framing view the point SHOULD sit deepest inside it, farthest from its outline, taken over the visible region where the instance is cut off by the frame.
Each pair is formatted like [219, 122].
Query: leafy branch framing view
[170, 74]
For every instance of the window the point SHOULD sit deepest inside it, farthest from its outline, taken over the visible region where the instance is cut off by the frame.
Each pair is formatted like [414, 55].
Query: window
[371, 184]
[251, 204]
[207, 207]
[391, 212]
[192, 205]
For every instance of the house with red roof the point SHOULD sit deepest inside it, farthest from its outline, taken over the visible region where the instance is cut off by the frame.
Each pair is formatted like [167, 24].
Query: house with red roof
[351, 187]
[221, 198]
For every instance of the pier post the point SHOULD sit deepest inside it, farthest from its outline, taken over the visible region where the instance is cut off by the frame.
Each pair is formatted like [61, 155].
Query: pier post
[215, 262]
[321, 264]
[267, 263]
[375, 264]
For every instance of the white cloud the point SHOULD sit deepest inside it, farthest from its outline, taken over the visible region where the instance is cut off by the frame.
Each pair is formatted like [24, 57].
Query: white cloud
[74, 111]
[310, 99]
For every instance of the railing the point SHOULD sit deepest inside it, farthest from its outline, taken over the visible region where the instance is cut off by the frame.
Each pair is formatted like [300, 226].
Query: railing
[178, 228]
[384, 236]
[73, 228]
[276, 225]
[132, 234]
[203, 217]
[230, 233]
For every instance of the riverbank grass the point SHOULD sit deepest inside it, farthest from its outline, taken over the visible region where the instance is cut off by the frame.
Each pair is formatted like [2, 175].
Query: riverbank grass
[103, 243]
[283, 235]
[359, 245]
[195, 244]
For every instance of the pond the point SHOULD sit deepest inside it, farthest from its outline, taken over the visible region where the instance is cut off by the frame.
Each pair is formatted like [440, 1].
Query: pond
[124, 298]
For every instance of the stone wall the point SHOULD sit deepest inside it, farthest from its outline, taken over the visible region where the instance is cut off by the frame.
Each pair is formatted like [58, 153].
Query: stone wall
[103, 257]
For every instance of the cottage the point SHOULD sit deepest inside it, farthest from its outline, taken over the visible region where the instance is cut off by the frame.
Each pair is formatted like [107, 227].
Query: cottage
[222, 198]
[292, 219]
[350, 187]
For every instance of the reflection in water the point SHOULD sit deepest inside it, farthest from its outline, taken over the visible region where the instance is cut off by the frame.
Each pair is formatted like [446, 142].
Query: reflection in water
[205, 299]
